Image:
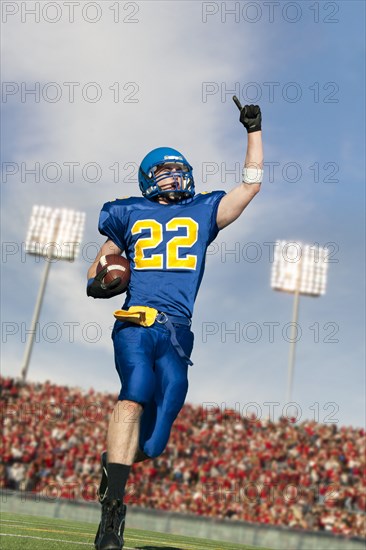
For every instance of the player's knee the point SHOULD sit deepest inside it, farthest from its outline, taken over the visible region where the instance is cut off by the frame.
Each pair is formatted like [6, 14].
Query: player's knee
[138, 393]
[138, 398]
[154, 448]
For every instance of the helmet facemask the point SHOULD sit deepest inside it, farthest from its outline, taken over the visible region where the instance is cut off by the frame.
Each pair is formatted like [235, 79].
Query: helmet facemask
[173, 180]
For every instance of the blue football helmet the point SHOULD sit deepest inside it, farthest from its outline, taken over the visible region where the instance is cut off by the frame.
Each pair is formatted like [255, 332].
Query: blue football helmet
[152, 174]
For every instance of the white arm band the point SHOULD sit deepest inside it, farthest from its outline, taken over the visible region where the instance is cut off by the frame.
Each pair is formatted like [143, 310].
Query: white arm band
[252, 175]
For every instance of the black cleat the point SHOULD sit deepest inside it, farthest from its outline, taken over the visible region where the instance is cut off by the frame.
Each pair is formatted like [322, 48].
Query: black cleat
[103, 488]
[110, 531]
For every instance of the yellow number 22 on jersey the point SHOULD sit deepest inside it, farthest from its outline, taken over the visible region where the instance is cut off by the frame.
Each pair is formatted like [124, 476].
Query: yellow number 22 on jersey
[173, 260]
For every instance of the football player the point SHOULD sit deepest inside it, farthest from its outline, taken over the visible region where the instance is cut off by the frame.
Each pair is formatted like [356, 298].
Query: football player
[164, 235]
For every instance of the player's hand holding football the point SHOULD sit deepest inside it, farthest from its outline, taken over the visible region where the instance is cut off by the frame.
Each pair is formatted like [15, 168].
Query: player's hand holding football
[97, 289]
[250, 116]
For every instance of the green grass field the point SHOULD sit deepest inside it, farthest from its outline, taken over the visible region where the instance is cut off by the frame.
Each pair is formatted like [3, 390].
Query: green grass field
[33, 532]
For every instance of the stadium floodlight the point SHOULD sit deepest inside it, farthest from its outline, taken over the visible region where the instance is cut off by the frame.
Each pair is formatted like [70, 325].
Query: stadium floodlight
[298, 269]
[55, 234]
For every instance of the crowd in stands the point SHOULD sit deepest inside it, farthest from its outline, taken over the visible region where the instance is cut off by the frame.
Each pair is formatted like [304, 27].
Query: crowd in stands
[303, 475]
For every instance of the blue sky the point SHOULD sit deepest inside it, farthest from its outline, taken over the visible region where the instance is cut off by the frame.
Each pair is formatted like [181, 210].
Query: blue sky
[165, 61]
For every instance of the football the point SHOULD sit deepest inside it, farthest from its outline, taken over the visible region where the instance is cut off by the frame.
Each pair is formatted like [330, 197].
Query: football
[117, 266]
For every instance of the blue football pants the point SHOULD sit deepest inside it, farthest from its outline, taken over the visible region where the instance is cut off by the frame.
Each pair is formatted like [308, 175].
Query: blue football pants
[152, 374]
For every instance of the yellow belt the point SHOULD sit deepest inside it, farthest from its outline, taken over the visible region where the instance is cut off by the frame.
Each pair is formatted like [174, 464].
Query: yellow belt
[140, 315]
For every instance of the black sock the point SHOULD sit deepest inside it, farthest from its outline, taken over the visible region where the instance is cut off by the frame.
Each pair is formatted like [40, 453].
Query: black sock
[117, 479]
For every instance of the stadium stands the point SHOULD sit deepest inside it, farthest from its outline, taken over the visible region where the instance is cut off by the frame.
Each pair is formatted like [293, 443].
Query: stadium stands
[302, 475]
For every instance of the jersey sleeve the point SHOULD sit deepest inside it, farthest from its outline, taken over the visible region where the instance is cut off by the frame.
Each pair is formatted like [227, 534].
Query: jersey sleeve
[111, 224]
[214, 199]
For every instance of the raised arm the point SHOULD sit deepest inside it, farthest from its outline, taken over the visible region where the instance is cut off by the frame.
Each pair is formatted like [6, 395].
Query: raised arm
[233, 204]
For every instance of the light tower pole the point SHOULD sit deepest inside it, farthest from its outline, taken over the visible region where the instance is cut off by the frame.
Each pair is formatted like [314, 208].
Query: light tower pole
[55, 234]
[300, 270]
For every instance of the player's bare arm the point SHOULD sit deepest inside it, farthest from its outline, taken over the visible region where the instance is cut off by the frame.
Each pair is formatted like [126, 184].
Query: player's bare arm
[234, 203]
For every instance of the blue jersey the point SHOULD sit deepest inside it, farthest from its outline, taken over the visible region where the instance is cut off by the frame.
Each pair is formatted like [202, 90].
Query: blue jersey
[165, 245]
